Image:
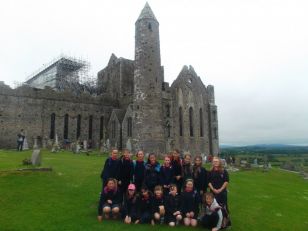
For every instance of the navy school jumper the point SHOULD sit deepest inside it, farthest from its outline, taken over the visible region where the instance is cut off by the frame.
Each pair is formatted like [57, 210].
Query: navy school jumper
[114, 195]
[190, 203]
[172, 204]
[151, 175]
[126, 173]
[200, 180]
[111, 170]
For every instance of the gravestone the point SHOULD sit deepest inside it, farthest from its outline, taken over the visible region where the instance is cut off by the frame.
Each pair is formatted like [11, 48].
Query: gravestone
[129, 145]
[237, 161]
[35, 146]
[255, 163]
[85, 145]
[44, 142]
[108, 144]
[77, 148]
[36, 157]
[224, 163]
[25, 145]
[55, 146]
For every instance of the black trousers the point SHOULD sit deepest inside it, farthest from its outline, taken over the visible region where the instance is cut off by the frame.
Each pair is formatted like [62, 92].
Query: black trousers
[210, 221]
[19, 145]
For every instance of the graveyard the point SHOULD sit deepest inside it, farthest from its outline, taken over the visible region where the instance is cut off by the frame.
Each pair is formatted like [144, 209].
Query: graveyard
[65, 197]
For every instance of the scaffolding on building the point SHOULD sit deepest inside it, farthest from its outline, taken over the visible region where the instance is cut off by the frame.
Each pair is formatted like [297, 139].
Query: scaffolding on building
[64, 73]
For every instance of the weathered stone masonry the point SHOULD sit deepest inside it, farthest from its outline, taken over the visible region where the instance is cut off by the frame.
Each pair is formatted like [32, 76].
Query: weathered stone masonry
[134, 105]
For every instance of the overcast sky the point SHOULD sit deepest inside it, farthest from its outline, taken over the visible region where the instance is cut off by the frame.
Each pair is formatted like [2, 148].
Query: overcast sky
[255, 52]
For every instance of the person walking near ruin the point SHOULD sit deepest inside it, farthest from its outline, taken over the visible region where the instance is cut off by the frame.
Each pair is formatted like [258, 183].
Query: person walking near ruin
[20, 140]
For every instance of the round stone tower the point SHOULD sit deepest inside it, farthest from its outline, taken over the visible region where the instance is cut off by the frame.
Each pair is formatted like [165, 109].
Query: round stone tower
[148, 129]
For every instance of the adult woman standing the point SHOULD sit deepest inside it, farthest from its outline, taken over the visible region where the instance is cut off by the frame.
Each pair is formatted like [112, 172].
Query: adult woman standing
[218, 179]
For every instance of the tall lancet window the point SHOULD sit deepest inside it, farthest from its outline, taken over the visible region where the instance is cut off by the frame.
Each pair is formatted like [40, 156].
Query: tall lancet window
[191, 122]
[181, 121]
[201, 122]
[52, 126]
[65, 132]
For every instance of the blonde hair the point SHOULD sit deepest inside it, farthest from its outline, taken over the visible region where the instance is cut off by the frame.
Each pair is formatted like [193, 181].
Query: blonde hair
[220, 167]
[158, 188]
[187, 154]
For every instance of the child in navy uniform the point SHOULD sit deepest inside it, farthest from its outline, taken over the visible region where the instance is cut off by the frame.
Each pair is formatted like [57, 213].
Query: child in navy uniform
[199, 176]
[173, 206]
[130, 210]
[126, 171]
[166, 175]
[111, 168]
[177, 169]
[190, 204]
[187, 167]
[145, 206]
[158, 208]
[151, 175]
[213, 216]
[138, 170]
[110, 200]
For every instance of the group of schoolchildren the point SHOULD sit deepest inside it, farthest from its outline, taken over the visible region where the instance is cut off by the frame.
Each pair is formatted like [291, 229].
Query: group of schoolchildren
[175, 192]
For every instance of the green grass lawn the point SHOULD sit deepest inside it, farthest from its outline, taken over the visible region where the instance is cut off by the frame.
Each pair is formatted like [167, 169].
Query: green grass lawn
[67, 197]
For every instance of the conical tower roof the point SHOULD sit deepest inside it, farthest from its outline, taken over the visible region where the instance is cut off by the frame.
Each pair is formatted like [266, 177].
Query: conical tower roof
[147, 13]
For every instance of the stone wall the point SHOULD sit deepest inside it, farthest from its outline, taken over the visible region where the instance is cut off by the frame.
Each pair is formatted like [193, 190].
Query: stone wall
[30, 109]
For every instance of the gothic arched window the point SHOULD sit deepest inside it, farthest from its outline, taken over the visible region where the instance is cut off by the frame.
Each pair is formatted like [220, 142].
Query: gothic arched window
[191, 122]
[101, 128]
[181, 121]
[113, 129]
[90, 126]
[201, 122]
[129, 126]
[52, 126]
[65, 132]
[78, 126]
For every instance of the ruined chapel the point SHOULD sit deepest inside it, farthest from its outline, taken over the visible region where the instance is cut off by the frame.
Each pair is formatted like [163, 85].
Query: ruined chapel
[132, 106]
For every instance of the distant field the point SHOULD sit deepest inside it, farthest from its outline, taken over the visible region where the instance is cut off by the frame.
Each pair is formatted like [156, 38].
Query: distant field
[66, 198]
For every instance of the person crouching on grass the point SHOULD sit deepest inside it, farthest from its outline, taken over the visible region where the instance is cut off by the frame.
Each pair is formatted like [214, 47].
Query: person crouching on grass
[213, 215]
[110, 200]
[130, 205]
[173, 206]
[158, 205]
[190, 204]
[145, 206]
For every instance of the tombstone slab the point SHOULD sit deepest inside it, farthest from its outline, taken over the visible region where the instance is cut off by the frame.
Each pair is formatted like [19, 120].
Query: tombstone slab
[36, 158]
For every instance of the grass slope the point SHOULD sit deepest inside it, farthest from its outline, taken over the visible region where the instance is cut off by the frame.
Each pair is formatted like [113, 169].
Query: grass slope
[66, 198]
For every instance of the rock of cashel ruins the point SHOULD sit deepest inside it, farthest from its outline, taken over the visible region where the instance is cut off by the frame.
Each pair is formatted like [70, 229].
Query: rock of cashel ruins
[129, 105]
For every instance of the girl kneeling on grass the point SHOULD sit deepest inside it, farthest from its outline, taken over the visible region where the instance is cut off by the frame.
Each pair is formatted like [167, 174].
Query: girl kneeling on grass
[110, 200]
[145, 206]
[130, 205]
[190, 204]
[158, 205]
[173, 206]
[213, 215]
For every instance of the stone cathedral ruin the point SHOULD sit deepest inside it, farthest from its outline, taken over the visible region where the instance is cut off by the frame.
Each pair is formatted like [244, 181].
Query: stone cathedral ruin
[129, 105]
